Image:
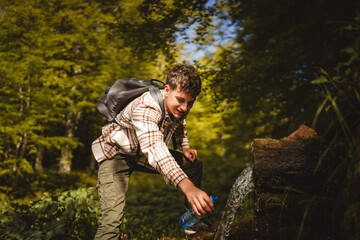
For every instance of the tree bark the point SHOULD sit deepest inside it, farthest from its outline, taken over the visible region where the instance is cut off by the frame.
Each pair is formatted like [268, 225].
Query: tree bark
[39, 158]
[280, 163]
[21, 145]
[72, 120]
[65, 159]
[25, 103]
[66, 150]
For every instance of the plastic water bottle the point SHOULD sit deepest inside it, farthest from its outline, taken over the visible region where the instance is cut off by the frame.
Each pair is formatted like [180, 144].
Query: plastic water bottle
[189, 218]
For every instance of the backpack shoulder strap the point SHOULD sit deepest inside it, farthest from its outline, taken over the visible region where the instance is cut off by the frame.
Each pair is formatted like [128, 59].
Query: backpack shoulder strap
[102, 107]
[156, 94]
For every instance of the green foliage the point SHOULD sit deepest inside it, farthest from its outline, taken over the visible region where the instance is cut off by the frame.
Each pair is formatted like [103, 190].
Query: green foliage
[340, 160]
[22, 183]
[15, 174]
[69, 215]
[51, 181]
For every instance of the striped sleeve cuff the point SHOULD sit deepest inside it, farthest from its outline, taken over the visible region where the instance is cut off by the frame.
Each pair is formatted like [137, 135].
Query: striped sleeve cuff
[174, 176]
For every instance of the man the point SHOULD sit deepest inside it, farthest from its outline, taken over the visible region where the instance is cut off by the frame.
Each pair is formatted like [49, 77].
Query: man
[138, 123]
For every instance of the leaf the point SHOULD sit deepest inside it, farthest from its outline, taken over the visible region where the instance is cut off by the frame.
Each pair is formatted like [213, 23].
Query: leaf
[320, 80]
[349, 50]
[319, 110]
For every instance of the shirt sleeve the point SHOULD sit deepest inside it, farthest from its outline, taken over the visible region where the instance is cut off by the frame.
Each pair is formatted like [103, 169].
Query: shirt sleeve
[145, 119]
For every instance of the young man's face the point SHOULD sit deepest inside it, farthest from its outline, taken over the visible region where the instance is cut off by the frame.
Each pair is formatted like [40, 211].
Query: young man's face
[177, 102]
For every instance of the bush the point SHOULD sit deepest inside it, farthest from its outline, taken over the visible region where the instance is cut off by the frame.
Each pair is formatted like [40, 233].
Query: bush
[69, 215]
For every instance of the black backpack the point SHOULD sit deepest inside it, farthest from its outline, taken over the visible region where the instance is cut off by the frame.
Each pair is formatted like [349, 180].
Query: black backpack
[123, 91]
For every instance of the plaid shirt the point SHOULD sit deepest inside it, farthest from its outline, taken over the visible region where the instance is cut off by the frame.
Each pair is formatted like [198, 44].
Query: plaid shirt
[138, 123]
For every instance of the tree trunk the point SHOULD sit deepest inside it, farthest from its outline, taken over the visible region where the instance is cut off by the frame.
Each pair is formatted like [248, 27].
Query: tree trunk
[24, 110]
[21, 145]
[39, 157]
[72, 120]
[92, 164]
[66, 151]
[65, 159]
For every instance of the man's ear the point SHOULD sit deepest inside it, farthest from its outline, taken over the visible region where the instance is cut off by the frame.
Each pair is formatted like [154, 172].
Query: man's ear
[166, 90]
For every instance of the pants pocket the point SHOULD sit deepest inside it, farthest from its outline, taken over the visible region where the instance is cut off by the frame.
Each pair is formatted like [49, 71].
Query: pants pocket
[106, 191]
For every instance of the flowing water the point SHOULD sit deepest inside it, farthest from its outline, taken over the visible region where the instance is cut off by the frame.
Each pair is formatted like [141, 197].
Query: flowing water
[241, 188]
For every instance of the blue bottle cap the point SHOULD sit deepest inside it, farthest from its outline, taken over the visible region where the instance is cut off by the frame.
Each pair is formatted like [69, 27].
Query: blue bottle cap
[213, 198]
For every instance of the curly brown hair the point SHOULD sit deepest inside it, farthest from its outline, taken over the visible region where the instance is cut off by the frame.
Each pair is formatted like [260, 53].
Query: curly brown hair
[186, 78]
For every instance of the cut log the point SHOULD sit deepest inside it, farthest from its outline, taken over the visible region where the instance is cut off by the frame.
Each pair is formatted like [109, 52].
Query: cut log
[283, 174]
[281, 163]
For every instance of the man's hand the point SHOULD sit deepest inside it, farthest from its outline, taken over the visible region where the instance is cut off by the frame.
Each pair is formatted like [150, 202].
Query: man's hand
[198, 199]
[190, 154]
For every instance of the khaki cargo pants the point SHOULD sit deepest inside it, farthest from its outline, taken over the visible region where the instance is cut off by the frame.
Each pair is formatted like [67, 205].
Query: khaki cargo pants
[113, 178]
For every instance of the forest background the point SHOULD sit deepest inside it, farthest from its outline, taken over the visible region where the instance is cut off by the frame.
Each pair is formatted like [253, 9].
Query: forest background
[283, 64]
